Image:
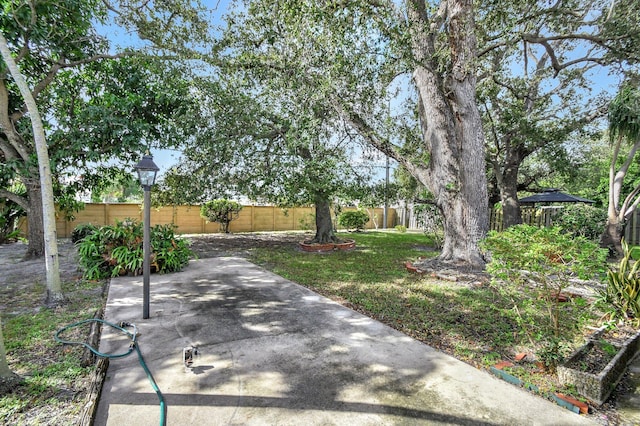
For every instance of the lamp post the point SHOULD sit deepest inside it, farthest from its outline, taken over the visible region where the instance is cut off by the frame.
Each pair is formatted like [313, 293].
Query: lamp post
[147, 171]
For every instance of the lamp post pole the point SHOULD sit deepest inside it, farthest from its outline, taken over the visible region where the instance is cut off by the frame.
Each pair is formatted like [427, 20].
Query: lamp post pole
[147, 171]
[146, 249]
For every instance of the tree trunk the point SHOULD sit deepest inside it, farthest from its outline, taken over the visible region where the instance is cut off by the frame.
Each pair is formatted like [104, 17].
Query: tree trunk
[452, 132]
[35, 232]
[508, 186]
[52, 265]
[324, 225]
[5, 372]
[611, 238]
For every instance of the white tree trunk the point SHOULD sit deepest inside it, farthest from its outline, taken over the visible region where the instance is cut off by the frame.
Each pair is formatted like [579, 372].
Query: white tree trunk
[54, 288]
[5, 372]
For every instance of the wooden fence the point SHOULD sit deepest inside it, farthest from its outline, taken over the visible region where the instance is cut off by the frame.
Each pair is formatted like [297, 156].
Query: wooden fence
[530, 216]
[188, 221]
[270, 218]
[632, 229]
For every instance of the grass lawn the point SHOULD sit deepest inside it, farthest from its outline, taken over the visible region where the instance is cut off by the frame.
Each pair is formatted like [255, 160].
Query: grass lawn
[53, 382]
[477, 324]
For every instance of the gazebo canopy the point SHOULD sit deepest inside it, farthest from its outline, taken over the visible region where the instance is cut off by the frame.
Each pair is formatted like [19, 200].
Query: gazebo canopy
[553, 195]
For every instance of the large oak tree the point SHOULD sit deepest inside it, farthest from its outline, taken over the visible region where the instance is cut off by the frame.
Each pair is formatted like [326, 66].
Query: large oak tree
[340, 60]
[542, 66]
[348, 54]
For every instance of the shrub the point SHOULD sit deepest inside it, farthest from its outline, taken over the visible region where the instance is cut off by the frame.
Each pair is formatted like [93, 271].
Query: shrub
[221, 211]
[401, 228]
[115, 250]
[81, 231]
[623, 287]
[10, 213]
[542, 252]
[581, 220]
[353, 219]
[540, 261]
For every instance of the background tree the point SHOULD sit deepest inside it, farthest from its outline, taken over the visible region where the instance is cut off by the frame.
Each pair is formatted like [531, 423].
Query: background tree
[265, 146]
[54, 294]
[45, 37]
[541, 63]
[624, 125]
[123, 188]
[109, 112]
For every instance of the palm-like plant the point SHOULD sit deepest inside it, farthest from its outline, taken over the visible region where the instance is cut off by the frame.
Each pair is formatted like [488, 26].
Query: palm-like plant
[624, 126]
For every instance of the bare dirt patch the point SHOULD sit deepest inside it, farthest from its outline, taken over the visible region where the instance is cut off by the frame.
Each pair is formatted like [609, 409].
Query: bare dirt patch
[213, 245]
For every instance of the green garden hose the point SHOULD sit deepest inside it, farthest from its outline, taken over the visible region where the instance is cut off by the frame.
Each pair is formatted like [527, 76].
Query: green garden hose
[133, 345]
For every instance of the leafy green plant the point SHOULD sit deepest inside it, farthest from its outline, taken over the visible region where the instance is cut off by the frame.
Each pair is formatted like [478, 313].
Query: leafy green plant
[553, 352]
[541, 260]
[401, 228]
[623, 287]
[581, 220]
[353, 219]
[81, 231]
[110, 251]
[222, 211]
[169, 253]
[10, 213]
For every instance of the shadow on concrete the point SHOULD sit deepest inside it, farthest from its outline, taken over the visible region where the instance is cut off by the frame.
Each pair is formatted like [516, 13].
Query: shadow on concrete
[273, 352]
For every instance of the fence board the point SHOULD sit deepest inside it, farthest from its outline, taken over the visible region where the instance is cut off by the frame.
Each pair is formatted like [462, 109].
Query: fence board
[188, 220]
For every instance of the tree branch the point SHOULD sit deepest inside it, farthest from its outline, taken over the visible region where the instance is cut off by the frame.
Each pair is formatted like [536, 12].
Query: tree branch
[21, 201]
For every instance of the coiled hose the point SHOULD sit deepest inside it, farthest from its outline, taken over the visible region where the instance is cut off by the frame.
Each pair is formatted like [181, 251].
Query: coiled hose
[133, 345]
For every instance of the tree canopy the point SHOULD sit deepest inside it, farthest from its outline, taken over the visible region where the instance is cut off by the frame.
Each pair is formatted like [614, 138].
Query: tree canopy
[97, 106]
[541, 65]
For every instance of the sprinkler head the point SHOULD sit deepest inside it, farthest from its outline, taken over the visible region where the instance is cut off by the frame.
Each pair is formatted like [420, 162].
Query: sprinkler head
[188, 355]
